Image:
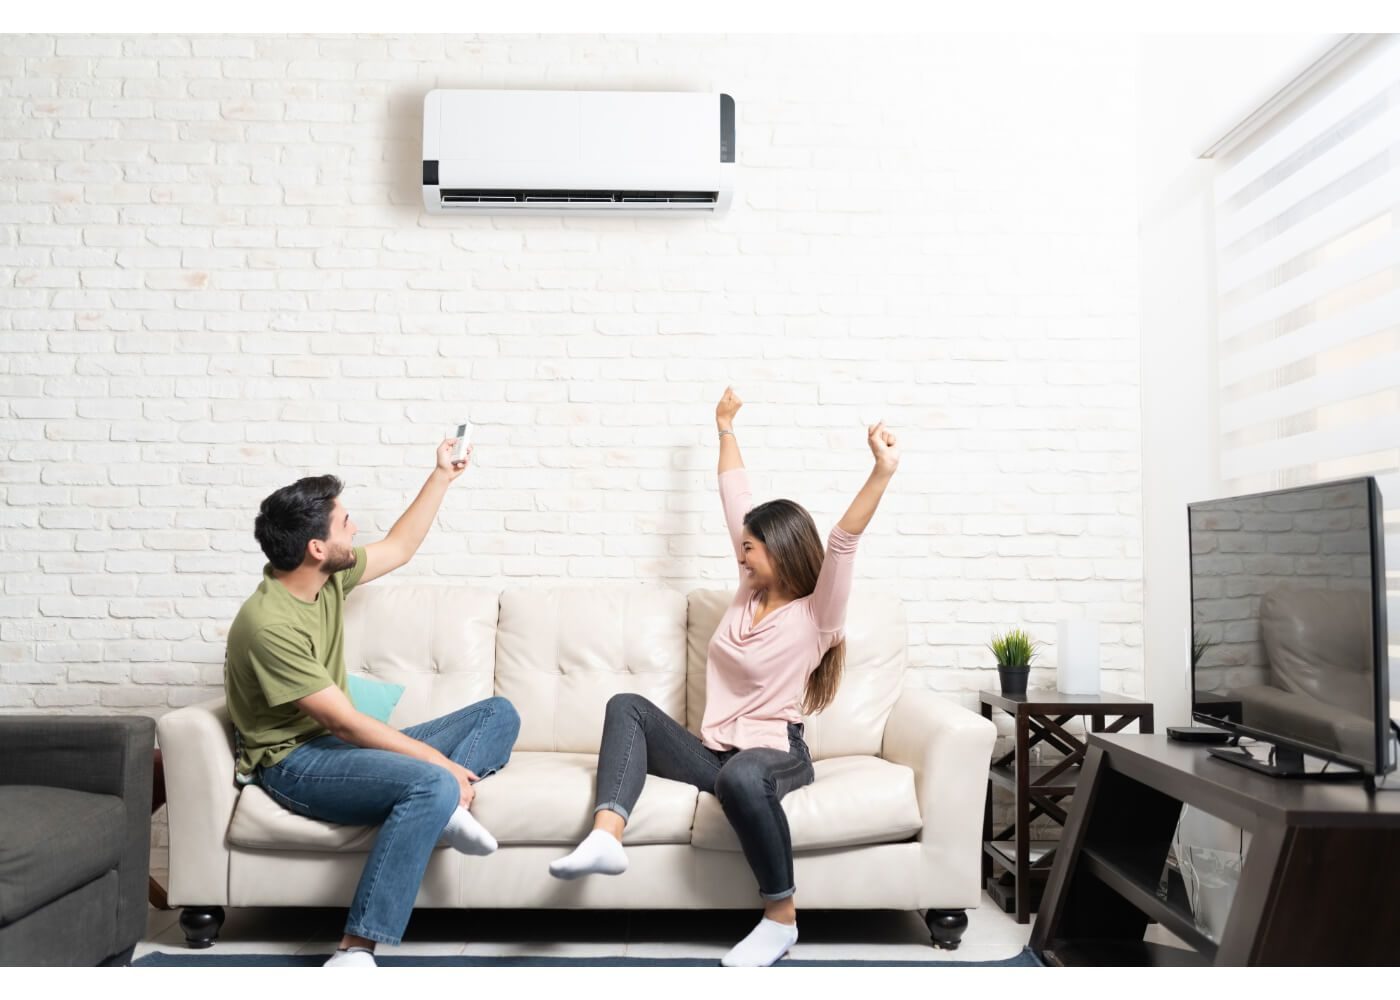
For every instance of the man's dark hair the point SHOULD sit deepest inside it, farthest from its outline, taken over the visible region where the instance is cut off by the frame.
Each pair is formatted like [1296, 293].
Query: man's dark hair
[294, 515]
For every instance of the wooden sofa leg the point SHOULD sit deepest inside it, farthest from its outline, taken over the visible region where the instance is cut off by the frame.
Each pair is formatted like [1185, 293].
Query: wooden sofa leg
[201, 925]
[946, 928]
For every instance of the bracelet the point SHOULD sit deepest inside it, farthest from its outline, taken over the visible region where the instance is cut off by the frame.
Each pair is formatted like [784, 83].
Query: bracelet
[722, 433]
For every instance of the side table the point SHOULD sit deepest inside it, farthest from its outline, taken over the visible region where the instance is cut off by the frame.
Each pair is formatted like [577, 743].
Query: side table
[1038, 790]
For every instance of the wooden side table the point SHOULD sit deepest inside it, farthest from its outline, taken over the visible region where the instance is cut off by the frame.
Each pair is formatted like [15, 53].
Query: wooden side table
[1038, 790]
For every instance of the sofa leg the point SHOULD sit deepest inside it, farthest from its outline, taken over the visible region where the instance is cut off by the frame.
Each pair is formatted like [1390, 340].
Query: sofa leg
[946, 928]
[201, 925]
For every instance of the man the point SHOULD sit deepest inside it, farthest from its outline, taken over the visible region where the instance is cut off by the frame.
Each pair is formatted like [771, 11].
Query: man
[300, 737]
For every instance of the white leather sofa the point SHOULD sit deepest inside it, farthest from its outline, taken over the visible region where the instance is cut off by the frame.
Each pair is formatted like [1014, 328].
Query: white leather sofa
[893, 820]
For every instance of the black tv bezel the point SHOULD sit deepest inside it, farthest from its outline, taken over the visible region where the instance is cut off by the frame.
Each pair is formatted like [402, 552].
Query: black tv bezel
[1381, 764]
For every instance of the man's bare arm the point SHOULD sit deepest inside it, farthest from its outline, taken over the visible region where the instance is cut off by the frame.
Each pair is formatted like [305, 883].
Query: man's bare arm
[408, 532]
[332, 709]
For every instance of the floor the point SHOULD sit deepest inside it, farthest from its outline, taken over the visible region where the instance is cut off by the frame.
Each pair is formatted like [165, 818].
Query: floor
[826, 934]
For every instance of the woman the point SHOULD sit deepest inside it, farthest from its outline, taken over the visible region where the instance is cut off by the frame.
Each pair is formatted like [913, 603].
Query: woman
[778, 652]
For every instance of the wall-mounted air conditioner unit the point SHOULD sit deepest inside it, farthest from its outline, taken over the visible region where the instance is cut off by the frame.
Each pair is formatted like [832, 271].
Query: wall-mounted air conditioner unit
[498, 152]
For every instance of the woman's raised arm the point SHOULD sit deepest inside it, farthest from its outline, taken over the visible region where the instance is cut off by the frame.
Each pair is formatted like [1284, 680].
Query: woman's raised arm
[886, 451]
[725, 411]
[833, 590]
[734, 492]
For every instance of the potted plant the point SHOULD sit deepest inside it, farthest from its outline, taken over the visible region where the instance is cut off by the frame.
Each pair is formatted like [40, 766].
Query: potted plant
[1014, 652]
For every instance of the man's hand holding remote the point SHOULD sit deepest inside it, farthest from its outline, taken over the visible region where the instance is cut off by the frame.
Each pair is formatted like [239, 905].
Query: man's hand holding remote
[446, 465]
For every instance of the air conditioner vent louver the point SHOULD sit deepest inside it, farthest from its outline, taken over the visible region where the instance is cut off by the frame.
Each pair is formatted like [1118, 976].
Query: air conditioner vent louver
[503, 152]
[466, 197]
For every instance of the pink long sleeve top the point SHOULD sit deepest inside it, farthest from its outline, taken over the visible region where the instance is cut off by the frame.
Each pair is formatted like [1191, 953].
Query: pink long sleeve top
[755, 676]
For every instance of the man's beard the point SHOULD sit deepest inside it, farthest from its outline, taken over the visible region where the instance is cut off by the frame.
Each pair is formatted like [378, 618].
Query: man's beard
[337, 561]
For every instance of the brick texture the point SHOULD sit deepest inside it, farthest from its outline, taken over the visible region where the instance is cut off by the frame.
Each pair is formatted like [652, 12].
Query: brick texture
[216, 276]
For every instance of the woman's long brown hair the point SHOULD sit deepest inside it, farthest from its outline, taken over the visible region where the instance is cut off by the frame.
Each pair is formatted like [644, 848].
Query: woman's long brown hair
[789, 534]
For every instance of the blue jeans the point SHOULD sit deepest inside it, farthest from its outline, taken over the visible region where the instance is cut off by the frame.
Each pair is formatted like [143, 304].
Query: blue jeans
[332, 780]
[640, 739]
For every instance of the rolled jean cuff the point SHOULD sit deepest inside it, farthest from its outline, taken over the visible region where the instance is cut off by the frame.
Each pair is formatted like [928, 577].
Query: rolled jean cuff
[373, 935]
[773, 897]
[615, 808]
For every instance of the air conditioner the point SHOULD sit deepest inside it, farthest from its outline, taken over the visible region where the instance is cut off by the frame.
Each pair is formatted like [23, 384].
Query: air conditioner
[499, 152]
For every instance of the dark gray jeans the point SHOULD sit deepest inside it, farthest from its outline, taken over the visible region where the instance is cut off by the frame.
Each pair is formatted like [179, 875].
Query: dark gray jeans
[640, 739]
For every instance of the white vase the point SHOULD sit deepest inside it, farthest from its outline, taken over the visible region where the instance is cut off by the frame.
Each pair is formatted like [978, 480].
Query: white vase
[1077, 653]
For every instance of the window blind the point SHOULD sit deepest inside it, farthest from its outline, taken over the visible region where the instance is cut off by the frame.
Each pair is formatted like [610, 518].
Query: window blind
[1307, 234]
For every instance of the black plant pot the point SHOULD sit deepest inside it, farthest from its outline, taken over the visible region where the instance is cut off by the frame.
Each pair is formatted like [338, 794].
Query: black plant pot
[1013, 679]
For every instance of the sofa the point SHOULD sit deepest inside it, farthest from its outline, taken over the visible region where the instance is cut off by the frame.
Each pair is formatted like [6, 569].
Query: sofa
[75, 836]
[892, 821]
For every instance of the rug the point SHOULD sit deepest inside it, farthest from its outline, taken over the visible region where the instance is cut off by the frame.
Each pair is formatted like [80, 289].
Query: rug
[169, 959]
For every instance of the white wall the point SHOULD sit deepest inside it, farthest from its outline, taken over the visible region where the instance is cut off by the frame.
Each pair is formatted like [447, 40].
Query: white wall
[217, 277]
[1192, 89]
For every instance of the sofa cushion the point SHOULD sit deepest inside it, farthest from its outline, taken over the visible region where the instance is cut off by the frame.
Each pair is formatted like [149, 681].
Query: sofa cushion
[548, 798]
[439, 642]
[260, 822]
[854, 800]
[53, 840]
[562, 652]
[539, 798]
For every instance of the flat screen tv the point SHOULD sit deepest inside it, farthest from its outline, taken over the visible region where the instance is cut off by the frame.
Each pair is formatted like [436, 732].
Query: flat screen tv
[1288, 627]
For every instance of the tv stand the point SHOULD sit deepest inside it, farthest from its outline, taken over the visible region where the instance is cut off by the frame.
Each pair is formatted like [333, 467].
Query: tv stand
[1286, 762]
[1318, 885]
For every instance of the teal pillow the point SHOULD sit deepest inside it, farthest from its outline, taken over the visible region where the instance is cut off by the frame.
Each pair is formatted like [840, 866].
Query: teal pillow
[374, 698]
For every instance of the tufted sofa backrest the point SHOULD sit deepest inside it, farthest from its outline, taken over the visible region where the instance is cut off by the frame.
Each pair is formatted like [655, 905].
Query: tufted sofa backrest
[559, 654]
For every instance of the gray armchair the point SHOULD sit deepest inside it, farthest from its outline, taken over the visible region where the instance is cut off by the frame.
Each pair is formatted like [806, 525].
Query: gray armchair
[75, 831]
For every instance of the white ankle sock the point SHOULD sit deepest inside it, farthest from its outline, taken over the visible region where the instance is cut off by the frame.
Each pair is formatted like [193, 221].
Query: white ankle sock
[465, 834]
[599, 854]
[766, 943]
[353, 957]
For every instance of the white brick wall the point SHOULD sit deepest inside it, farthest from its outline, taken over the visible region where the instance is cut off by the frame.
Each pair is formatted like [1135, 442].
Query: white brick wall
[216, 277]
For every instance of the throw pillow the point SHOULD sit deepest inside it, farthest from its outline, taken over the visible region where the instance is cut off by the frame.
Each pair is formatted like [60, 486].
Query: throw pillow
[375, 698]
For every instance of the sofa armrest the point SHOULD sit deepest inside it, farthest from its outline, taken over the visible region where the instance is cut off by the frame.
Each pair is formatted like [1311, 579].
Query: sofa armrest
[949, 749]
[105, 755]
[196, 746]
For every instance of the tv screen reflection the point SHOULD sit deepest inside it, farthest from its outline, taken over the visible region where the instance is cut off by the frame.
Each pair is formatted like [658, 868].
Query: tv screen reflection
[1282, 631]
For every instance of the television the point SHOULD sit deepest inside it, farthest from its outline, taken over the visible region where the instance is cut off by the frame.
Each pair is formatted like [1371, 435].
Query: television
[1288, 629]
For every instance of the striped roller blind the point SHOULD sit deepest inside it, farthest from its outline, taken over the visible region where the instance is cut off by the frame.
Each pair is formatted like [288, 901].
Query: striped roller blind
[1307, 226]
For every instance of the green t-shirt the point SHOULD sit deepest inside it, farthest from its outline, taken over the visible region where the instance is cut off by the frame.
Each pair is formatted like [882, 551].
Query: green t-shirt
[281, 649]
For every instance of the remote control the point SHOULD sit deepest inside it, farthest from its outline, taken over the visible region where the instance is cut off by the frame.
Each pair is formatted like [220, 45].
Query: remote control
[464, 441]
